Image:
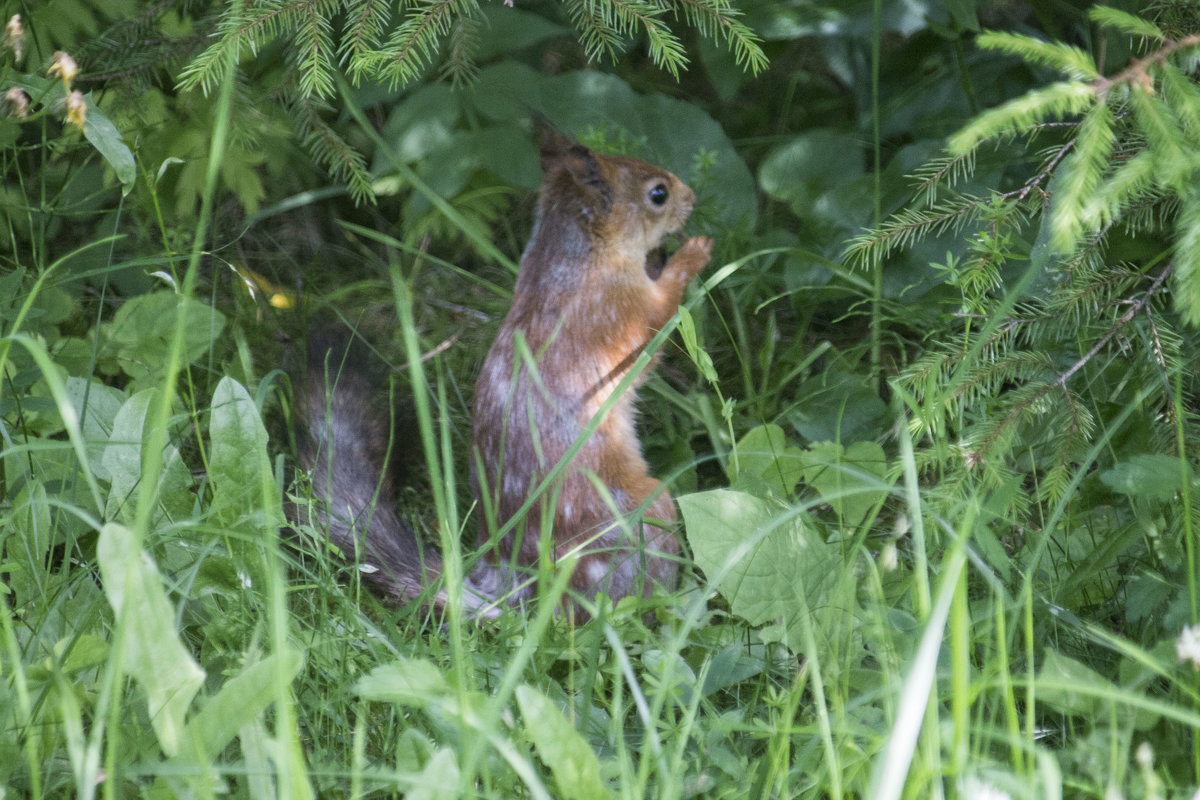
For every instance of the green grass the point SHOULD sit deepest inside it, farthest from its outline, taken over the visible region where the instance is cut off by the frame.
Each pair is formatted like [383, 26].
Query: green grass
[928, 553]
[858, 635]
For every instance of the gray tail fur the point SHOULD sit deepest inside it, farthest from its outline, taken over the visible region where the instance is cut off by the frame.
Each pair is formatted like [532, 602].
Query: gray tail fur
[344, 440]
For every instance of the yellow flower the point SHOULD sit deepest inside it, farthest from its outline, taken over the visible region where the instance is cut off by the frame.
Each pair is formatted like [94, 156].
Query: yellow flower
[14, 36]
[64, 67]
[76, 109]
[16, 102]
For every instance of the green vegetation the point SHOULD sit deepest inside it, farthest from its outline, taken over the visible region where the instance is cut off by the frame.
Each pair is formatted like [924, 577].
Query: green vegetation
[931, 418]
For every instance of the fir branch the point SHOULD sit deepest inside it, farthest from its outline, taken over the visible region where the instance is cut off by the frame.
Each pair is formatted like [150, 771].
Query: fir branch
[256, 26]
[666, 51]
[1081, 174]
[907, 225]
[943, 172]
[1187, 257]
[1090, 291]
[1073, 62]
[314, 47]
[366, 23]
[1183, 97]
[344, 163]
[416, 43]
[1130, 183]
[997, 370]
[604, 26]
[1163, 134]
[1070, 442]
[460, 65]
[1134, 309]
[1056, 100]
[1109, 17]
[1045, 172]
[597, 36]
[993, 438]
[1138, 71]
[714, 19]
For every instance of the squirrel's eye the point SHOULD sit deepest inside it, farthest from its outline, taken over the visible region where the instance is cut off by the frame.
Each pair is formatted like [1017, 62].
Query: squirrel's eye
[658, 194]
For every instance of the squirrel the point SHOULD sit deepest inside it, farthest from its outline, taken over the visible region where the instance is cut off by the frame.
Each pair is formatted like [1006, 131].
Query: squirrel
[589, 296]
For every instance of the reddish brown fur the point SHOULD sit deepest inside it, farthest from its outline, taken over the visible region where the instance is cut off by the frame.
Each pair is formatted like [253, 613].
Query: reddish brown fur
[585, 306]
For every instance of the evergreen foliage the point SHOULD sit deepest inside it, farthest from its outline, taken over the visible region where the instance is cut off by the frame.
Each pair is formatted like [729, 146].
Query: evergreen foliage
[396, 49]
[1016, 387]
[930, 418]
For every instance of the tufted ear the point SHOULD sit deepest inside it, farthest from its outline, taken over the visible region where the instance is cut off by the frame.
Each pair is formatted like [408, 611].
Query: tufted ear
[560, 154]
[553, 144]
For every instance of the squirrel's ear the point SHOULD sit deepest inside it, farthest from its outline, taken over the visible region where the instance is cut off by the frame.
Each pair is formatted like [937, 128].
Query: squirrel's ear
[553, 145]
[560, 154]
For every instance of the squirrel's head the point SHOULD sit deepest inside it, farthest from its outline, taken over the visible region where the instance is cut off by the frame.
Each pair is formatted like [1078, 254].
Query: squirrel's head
[617, 198]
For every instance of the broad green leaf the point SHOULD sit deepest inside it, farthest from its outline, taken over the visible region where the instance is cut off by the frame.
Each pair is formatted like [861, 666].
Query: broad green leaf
[1152, 476]
[963, 12]
[763, 458]
[107, 140]
[152, 653]
[1077, 690]
[122, 460]
[851, 479]
[29, 522]
[730, 666]
[439, 780]
[406, 682]
[241, 699]
[138, 340]
[239, 466]
[82, 651]
[510, 29]
[668, 674]
[96, 419]
[838, 406]
[810, 170]
[768, 567]
[1147, 595]
[97, 127]
[258, 746]
[413, 750]
[574, 764]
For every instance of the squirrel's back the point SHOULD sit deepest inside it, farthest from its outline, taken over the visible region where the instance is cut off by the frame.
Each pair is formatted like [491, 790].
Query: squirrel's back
[589, 296]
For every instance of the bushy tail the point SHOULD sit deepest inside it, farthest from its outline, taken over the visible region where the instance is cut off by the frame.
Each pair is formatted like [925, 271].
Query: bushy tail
[343, 442]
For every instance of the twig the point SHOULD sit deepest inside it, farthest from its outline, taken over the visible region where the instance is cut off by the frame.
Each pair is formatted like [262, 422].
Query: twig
[1124, 318]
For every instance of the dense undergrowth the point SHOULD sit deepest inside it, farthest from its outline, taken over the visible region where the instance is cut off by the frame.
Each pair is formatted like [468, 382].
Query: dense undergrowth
[930, 418]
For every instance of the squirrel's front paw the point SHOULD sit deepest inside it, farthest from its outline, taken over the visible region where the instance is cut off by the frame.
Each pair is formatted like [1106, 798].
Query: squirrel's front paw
[693, 256]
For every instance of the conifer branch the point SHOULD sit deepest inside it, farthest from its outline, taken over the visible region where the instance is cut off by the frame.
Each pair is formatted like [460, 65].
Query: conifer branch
[715, 19]
[416, 42]
[1132, 312]
[366, 50]
[1138, 72]
[903, 227]
[1045, 172]
[366, 21]
[344, 163]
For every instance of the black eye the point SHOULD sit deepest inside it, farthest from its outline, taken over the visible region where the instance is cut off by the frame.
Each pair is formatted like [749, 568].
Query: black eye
[658, 194]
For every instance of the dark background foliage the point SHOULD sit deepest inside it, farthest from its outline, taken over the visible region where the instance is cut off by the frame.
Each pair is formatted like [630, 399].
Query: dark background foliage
[945, 390]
